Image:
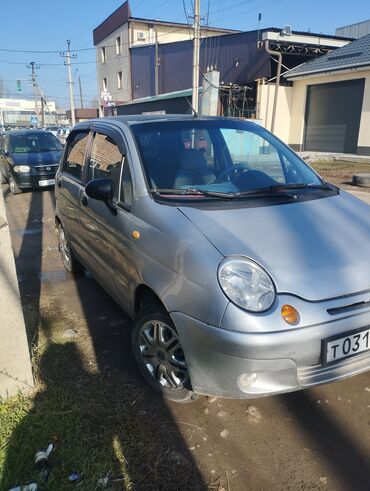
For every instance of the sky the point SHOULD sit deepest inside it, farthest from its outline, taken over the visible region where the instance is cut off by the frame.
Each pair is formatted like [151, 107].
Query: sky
[45, 25]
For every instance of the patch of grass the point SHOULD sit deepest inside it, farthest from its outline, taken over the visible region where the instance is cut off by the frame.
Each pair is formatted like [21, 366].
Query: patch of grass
[102, 424]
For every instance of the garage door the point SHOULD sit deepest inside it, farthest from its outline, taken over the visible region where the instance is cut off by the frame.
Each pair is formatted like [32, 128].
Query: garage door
[332, 118]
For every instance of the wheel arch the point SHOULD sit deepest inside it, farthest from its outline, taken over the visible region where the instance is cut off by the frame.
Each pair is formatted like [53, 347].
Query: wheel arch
[144, 295]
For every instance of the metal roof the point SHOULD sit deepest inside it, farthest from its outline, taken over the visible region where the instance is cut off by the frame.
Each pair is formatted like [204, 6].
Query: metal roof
[352, 55]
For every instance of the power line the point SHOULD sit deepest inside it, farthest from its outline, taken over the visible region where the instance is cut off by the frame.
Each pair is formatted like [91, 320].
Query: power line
[77, 50]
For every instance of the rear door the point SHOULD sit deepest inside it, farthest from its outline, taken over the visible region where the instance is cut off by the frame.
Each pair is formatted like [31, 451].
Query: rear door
[69, 182]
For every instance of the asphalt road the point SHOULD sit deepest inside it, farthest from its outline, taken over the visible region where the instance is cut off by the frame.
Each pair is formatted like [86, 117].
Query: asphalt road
[313, 439]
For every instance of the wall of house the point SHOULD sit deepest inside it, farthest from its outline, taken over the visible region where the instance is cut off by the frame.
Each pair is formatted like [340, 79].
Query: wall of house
[296, 131]
[266, 94]
[115, 63]
[143, 33]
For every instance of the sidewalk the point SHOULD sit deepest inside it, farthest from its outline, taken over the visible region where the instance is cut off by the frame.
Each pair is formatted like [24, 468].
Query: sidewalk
[15, 364]
[334, 156]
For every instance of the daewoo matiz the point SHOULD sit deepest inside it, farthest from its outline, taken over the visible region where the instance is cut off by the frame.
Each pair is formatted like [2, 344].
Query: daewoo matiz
[246, 274]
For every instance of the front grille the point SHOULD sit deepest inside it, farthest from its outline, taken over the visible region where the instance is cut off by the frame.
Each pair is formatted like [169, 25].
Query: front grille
[46, 169]
[318, 374]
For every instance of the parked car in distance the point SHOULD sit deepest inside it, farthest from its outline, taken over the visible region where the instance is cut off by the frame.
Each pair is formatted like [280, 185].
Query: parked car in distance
[246, 274]
[29, 159]
[63, 132]
[53, 129]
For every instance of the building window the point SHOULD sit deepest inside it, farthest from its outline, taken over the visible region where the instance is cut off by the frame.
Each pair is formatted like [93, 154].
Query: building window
[105, 83]
[118, 45]
[102, 54]
[119, 80]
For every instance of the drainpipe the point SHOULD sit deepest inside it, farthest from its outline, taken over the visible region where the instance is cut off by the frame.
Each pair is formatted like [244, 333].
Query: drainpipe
[277, 82]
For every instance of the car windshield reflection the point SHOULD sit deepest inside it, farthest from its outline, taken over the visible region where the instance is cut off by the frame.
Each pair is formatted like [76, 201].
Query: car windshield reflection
[230, 158]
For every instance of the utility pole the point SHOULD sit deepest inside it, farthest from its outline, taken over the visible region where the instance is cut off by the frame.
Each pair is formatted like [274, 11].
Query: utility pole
[81, 99]
[67, 55]
[42, 112]
[156, 64]
[34, 67]
[196, 45]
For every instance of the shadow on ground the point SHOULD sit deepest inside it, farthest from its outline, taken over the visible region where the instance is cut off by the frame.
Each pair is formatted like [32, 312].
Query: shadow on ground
[103, 420]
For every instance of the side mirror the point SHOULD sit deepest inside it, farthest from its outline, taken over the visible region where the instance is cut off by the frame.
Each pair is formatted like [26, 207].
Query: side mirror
[101, 189]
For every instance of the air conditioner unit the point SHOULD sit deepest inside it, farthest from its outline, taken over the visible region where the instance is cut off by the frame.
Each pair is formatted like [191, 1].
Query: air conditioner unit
[141, 35]
[286, 31]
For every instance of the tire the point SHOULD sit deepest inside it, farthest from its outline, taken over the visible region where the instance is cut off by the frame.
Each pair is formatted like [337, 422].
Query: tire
[70, 263]
[13, 186]
[159, 355]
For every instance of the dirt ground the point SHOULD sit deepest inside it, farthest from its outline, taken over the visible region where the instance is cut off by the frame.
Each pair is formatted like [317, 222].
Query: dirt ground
[340, 173]
[92, 402]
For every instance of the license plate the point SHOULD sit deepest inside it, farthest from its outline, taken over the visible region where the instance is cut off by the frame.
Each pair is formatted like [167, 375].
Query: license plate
[47, 182]
[340, 347]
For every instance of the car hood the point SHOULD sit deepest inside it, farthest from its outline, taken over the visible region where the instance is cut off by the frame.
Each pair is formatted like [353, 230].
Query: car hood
[41, 158]
[315, 249]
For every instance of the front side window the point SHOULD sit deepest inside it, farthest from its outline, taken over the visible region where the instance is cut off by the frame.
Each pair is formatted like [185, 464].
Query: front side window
[105, 161]
[75, 154]
[218, 156]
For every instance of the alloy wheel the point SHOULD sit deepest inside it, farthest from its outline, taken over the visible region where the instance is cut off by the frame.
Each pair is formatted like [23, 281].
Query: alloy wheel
[64, 248]
[163, 355]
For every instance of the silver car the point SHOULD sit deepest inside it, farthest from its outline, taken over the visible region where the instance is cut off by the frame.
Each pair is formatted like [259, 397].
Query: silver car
[245, 273]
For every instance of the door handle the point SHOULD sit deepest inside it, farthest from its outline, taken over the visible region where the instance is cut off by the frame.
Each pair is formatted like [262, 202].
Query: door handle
[84, 200]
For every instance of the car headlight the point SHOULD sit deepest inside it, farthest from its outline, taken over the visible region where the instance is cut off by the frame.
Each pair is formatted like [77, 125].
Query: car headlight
[21, 168]
[246, 284]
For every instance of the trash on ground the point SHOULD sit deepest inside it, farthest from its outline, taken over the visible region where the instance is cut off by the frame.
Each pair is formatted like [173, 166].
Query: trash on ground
[42, 461]
[74, 477]
[69, 333]
[32, 486]
[103, 482]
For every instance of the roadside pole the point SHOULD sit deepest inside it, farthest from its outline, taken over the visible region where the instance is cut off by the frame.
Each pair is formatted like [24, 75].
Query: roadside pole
[34, 67]
[196, 45]
[67, 55]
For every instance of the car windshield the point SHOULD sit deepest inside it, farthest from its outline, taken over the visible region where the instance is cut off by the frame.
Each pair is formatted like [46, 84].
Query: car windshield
[220, 158]
[34, 143]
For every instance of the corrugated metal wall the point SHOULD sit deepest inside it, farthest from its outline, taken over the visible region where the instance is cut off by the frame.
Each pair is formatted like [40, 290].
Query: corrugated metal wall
[354, 30]
[235, 55]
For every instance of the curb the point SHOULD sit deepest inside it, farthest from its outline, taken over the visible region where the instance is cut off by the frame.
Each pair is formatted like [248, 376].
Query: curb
[15, 362]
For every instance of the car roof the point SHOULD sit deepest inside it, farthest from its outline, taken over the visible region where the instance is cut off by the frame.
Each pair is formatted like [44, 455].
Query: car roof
[25, 132]
[151, 118]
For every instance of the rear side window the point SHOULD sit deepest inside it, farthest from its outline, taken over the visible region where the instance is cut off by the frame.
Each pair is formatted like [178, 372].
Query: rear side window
[105, 160]
[75, 154]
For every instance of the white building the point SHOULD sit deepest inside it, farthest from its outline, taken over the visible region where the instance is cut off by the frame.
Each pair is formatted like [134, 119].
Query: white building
[21, 112]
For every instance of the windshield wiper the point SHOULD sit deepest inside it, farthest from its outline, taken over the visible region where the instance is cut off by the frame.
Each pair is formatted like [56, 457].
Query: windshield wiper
[192, 192]
[301, 185]
[257, 193]
[276, 188]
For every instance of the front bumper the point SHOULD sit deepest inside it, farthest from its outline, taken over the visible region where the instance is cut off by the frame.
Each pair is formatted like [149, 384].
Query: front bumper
[221, 362]
[32, 179]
